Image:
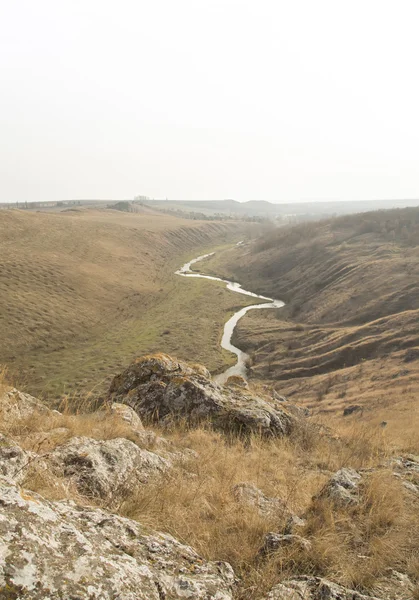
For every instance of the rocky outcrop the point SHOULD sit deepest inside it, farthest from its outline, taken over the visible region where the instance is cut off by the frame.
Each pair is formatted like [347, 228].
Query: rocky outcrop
[101, 469]
[58, 550]
[160, 388]
[314, 588]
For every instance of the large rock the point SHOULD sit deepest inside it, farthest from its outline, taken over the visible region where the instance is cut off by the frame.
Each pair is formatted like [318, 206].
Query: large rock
[102, 468]
[57, 550]
[160, 388]
[313, 588]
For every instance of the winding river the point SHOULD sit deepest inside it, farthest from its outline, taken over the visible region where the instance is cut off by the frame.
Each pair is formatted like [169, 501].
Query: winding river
[240, 367]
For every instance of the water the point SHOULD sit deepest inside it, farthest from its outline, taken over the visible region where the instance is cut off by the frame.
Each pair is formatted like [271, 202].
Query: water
[240, 367]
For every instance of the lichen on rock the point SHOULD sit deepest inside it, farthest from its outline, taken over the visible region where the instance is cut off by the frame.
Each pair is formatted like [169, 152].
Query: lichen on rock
[57, 550]
[161, 388]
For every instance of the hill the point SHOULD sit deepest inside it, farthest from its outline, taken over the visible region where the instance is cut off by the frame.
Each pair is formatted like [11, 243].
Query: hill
[349, 332]
[82, 292]
[281, 210]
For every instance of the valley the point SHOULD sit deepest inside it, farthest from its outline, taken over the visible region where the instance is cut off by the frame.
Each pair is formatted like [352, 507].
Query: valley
[83, 292]
[179, 477]
[348, 334]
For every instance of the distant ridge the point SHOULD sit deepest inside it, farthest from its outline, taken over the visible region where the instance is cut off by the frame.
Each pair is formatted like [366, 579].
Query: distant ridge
[265, 208]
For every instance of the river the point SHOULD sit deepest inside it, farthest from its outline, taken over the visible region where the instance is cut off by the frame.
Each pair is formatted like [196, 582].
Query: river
[240, 368]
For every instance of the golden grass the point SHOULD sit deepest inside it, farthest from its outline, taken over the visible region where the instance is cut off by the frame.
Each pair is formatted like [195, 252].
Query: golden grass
[196, 503]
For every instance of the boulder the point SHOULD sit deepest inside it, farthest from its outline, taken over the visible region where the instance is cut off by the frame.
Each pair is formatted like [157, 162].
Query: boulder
[160, 388]
[314, 588]
[342, 488]
[101, 468]
[57, 550]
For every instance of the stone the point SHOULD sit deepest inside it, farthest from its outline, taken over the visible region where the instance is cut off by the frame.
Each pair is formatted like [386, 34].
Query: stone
[406, 468]
[342, 488]
[314, 588]
[248, 494]
[16, 406]
[102, 468]
[57, 550]
[162, 389]
[127, 415]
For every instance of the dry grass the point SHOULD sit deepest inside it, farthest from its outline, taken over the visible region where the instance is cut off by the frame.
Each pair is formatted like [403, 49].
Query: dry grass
[196, 502]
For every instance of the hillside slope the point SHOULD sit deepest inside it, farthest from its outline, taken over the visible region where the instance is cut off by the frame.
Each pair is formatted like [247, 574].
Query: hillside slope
[180, 488]
[349, 331]
[82, 292]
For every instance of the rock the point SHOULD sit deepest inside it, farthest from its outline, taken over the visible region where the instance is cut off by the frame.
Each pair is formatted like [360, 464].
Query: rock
[276, 541]
[57, 550]
[342, 488]
[127, 415]
[406, 468]
[13, 460]
[16, 406]
[349, 410]
[313, 588]
[100, 469]
[248, 494]
[160, 388]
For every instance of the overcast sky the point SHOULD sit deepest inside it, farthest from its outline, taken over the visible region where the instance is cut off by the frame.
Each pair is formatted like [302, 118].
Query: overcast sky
[282, 100]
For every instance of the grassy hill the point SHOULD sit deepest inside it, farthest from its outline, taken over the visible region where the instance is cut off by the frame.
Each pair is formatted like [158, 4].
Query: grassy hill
[349, 333]
[82, 292]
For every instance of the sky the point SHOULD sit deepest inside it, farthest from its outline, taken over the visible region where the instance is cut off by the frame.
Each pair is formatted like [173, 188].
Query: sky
[281, 100]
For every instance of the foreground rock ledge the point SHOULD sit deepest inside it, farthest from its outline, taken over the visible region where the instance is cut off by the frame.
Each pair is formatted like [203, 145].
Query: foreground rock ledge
[57, 550]
[161, 388]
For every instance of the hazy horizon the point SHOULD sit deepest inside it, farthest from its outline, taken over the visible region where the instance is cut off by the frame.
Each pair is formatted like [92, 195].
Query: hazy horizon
[283, 102]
